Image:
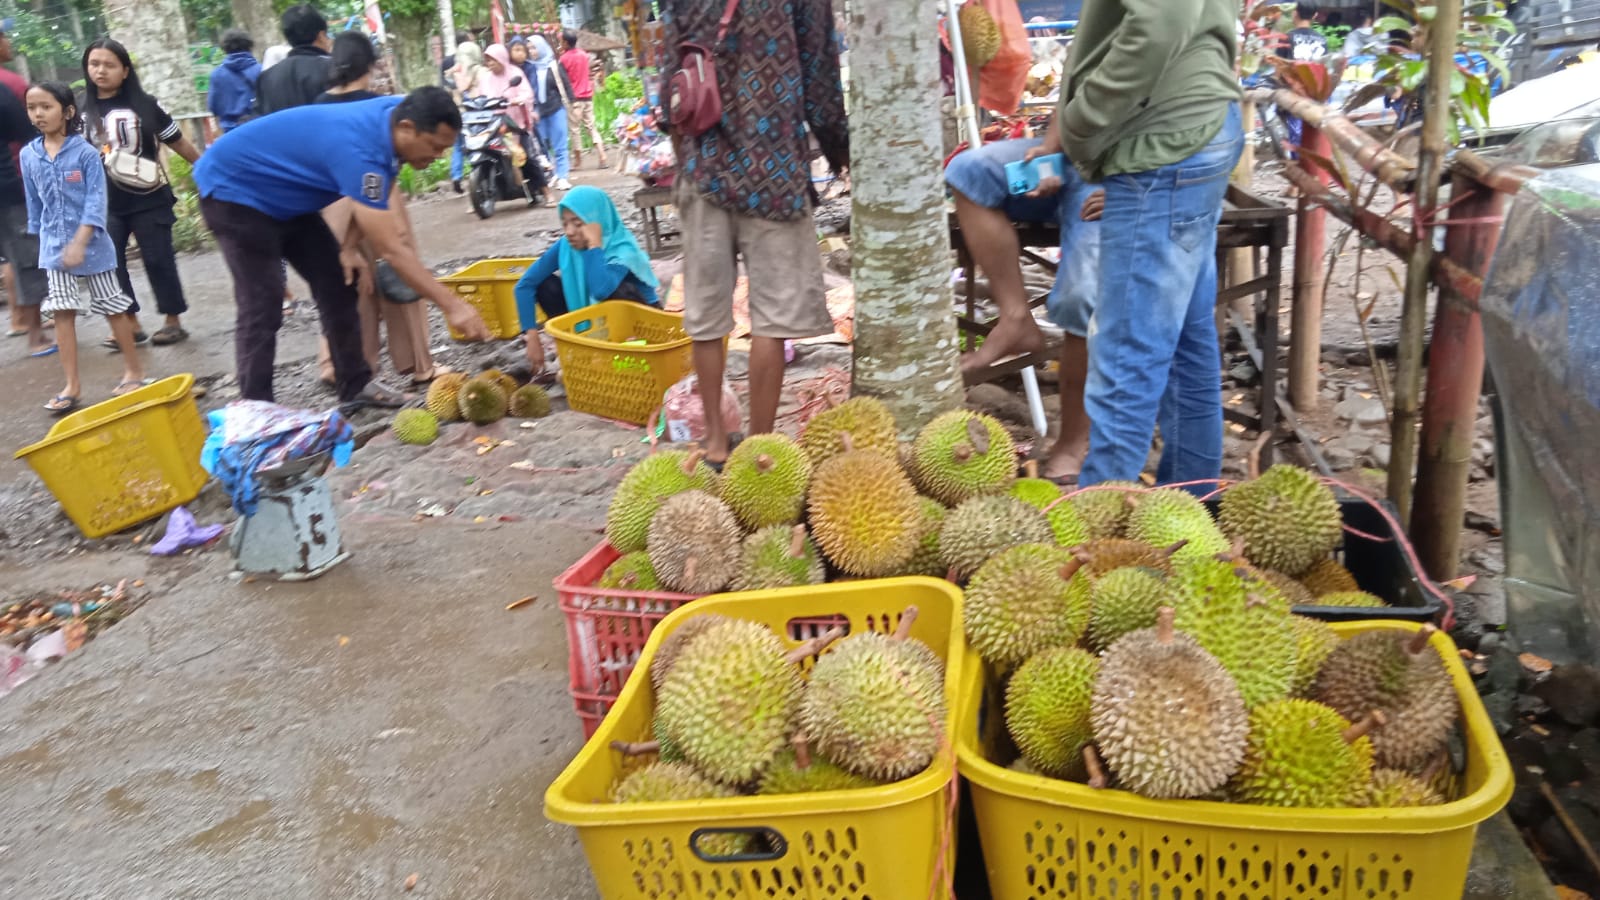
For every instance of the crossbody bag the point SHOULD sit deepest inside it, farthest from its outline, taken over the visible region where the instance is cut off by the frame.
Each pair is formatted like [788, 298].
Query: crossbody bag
[694, 104]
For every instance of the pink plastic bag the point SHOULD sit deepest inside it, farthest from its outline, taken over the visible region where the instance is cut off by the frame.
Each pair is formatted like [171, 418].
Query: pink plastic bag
[683, 416]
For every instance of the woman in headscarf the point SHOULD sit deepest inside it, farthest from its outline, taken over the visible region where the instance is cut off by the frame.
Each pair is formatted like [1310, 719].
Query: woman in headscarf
[597, 258]
[463, 84]
[551, 93]
[495, 80]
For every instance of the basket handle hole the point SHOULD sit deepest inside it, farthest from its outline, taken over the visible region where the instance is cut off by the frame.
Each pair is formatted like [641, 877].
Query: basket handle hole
[803, 628]
[737, 845]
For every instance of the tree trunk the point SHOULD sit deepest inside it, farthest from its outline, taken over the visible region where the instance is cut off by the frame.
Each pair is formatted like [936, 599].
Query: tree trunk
[257, 17]
[157, 37]
[905, 344]
[409, 36]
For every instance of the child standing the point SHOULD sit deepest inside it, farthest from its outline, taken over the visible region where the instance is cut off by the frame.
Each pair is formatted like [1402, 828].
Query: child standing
[66, 190]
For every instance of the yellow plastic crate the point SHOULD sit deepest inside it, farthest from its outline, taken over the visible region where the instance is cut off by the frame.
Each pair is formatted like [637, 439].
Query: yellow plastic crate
[489, 286]
[1047, 838]
[607, 376]
[892, 842]
[128, 459]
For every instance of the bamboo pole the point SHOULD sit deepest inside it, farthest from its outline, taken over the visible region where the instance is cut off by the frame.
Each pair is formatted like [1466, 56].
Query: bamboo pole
[1305, 311]
[1414, 312]
[1391, 168]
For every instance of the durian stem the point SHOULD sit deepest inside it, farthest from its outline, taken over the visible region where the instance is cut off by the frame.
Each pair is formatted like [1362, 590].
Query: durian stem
[636, 748]
[1097, 772]
[1071, 567]
[1235, 553]
[1253, 600]
[815, 645]
[689, 566]
[846, 441]
[693, 461]
[1368, 722]
[1030, 468]
[907, 619]
[962, 452]
[1164, 619]
[797, 542]
[1419, 641]
[1170, 552]
[978, 434]
[763, 463]
[802, 751]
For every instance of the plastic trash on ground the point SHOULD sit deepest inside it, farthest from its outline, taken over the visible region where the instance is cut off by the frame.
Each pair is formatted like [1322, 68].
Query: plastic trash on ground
[184, 532]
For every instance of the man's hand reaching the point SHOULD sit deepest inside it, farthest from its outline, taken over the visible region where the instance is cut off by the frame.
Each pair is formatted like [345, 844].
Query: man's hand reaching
[465, 319]
[1094, 207]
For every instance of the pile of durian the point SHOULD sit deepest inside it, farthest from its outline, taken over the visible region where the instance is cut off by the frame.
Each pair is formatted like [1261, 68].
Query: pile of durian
[482, 399]
[735, 715]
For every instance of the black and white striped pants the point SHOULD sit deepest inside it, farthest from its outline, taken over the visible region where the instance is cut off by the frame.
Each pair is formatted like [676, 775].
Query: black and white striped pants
[106, 297]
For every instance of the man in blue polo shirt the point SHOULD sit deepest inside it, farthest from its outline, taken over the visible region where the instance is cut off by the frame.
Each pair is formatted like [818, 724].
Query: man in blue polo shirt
[263, 186]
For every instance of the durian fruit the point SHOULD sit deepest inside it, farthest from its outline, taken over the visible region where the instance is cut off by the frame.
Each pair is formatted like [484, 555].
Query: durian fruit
[443, 394]
[798, 771]
[1303, 754]
[1360, 599]
[694, 543]
[764, 481]
[646, 485]
[1402, 676]
[778, 557]
[730, 698]
[1021, 764]
[631, 572]
[1326, 576]
[1068, 527]
[980, 528]
[1314, 641]
[864, 513]
[528, 402]
[875, 705]
[1037, 492]
[1168, 718]
[673, 644]
[667, 782]
[482, 401]
[1104, 508]
[1047, 709]
[1109, 554]
[961, 454]
[1124, 600]
[1243, 621]
[927, 560]
[868, 422]
[980, 35]
[415, 426]
[1164, 517]
[1392, 788]
[507, 384]
[1293, 591]
[1020, 603]
[1287, 519]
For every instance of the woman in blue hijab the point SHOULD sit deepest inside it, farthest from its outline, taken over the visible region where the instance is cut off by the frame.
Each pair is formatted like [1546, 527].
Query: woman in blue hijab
[551, 91]
[597, 258]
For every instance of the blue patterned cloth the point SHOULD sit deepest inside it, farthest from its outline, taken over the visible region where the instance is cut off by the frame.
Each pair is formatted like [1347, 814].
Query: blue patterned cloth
[249, 436]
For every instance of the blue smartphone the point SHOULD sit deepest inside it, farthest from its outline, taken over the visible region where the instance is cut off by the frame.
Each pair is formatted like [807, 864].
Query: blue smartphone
[1024, 176]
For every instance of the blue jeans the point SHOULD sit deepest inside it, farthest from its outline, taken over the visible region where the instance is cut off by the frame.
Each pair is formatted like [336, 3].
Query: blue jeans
[457, 163]
[1153, 356]
[553, 132]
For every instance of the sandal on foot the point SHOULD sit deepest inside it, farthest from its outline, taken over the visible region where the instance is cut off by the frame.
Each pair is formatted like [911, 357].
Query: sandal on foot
[17, 332]
[139, 340]
[375, 394]
[438, 369]
[128, 387]
[45, 351]
[734, 439]
[61, 404]
[169, 334]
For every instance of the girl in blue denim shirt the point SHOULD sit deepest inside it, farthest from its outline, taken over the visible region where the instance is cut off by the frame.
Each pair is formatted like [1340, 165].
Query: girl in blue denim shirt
[66, 189]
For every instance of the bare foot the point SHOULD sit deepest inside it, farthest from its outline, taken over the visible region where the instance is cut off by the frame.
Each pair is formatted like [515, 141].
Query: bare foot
[1065, 460]
[1010, 337]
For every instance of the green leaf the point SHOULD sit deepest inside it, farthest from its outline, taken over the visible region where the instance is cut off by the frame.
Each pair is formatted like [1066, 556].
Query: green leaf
[1390, 23]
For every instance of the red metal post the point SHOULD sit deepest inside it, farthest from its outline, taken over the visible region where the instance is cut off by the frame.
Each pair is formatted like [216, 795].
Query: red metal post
[1455, 378]
[1310, 242]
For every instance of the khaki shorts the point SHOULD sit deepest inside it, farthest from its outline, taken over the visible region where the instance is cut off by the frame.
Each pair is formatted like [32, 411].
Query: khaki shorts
[787, 299]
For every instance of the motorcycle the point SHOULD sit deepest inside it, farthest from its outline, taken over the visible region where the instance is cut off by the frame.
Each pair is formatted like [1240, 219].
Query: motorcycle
[491, 141]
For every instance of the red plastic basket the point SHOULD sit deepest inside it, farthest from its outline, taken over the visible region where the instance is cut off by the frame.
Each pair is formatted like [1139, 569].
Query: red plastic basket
[606, 630]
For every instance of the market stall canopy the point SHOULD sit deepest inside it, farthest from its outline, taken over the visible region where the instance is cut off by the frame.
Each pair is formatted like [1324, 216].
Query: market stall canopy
[598, 43]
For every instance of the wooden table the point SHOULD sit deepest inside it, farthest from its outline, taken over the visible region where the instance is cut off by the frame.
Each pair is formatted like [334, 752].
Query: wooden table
[649, 200]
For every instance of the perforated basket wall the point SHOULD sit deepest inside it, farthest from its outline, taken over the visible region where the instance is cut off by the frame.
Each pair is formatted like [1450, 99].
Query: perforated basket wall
[606, 375]
[489, 286]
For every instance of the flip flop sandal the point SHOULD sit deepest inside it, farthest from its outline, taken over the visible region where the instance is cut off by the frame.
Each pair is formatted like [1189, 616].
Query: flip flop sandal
[124, 388]
[16, 332]
[169, 334]
[61, 404]
[734, 439]
[45, 351]
[438, 369]
[376, 395]
[1063, 481]
[139, 340]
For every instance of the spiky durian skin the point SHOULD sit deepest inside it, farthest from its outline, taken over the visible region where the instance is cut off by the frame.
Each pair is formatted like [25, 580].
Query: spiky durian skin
[1287, 519]
[875, 706]
[1314, 641]
[1125, 600]
[764, 481]
[1066, 524]
[668, 751]
[980, 35]
[642, 491]
[1326, 576]
[1392, 789]
[1047, 709]
[1357, 599]
[950, 468]
[1372, 670]
[674, 643]
[443, 396]
[729, 700]
[482, 402]
[1104, 508]
[528, 402]
[765, 562]
[868, 422]
[1109, 554]
[1167, 717]
[1036, 492]
[980, 528]
[415, 426]
[927, 560]
[631, 572]
[1296, 756]
[1164, 517]
[864, 513]
[506, 383]
[1243, 621]
[667, 782]
[694, 526]
[1018, 604]
[1293, 591]
[785, 776]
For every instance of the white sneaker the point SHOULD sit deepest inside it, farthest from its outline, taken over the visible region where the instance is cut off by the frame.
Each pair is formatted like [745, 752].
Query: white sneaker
[563, 185]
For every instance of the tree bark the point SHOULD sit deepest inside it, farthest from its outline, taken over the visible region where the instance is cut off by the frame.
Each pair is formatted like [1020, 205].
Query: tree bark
[409, 36]
[905, 343]
[257, 17]
[157, 37]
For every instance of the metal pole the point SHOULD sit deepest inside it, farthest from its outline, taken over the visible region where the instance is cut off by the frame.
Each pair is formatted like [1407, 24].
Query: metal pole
[1455, 378]
[1414, 313]
[1310, 242]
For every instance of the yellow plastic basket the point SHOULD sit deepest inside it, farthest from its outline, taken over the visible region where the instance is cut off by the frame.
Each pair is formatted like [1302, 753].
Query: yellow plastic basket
[893, 842]
[607, 375]
[1044, 838]
[125, 460]
[489, 287]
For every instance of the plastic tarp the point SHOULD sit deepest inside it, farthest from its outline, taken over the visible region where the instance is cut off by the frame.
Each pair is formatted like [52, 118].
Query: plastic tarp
[1541, 319]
